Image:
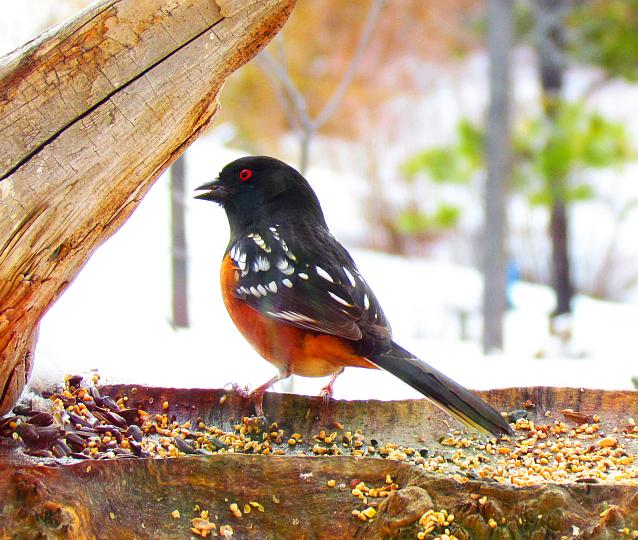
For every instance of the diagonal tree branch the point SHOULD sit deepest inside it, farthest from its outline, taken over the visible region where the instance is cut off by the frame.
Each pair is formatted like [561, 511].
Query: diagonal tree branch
[364, 40]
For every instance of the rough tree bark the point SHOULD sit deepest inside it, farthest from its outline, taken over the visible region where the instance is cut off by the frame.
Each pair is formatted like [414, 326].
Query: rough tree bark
[91, 113]
[498, 150]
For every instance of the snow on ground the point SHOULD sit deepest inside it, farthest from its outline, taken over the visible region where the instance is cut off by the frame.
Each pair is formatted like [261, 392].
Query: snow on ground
[115, 317]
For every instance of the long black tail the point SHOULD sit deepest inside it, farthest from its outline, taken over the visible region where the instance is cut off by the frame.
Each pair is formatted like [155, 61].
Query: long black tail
[443, 391]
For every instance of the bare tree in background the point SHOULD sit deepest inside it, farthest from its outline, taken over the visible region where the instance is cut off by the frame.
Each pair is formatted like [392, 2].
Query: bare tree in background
[550, 45]
[179, 249]
[292, 100]
[498, 149]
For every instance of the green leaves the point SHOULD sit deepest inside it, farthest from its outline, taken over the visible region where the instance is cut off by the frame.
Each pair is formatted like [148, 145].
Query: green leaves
[455, 164]
[603, 34]
[416, 222]
[548, 154]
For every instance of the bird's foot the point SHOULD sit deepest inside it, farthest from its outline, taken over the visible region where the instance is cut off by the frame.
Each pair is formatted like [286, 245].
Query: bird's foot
[241, 391]
[326, 393]
[257, 398]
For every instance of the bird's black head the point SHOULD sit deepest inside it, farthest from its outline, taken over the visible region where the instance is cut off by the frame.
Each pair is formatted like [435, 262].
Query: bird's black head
[261, 190]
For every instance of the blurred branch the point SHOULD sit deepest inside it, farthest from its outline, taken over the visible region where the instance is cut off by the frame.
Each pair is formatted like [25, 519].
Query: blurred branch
[364, 39]
[292, 100]
[284, 85]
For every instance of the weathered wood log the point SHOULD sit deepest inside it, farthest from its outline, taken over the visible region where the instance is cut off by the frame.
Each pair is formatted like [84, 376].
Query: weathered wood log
[135, 498]
[91, 113]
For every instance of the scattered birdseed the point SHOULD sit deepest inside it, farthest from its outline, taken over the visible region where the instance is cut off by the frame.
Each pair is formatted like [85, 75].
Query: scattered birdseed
[234, 508]
[83, 424]
[175, 514]
[436, 523]
[608, 442]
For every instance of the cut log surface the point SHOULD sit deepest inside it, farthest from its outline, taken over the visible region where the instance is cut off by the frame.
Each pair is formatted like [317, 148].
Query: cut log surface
[91, 112]
[137, 498]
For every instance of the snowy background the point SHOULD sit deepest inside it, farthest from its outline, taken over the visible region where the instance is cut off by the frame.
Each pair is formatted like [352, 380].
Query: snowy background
[115, 317]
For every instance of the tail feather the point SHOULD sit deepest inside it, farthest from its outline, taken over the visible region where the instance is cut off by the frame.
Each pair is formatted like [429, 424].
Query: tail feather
[443, 391]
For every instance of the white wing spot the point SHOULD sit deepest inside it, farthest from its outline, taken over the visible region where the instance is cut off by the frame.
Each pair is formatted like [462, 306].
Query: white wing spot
[303, 276]
[350, 277]
[366, 301]
[324, 274]
[255, 292]
[262, 290]
[287, 283]
[263, 264]
[272, 287]
[285, 267]
[340, 300]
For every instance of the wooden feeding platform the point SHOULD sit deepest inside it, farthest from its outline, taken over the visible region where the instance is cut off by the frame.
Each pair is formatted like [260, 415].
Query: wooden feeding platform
[346, 469]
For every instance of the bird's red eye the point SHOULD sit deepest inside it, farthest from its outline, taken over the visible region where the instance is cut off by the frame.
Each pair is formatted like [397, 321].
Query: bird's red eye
[245, 175]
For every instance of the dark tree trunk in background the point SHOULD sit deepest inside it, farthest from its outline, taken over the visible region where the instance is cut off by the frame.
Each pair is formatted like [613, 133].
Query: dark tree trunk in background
[179, 249]
[498, 148]
[550, 43]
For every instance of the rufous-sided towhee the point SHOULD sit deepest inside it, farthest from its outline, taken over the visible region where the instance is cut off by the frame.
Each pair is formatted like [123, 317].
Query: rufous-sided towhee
[297, 296]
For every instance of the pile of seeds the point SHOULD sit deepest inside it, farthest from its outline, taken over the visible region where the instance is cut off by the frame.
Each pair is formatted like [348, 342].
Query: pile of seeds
[553, 452]
[80, 423]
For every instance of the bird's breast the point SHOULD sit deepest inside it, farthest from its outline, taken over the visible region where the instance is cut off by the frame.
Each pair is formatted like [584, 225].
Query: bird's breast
[300, 351]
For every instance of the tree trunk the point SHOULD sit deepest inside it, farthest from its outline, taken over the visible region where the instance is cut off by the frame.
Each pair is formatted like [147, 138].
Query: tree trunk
[91, 113]
[498, 148]
[179, 248]
[305, 140]
[550, 42]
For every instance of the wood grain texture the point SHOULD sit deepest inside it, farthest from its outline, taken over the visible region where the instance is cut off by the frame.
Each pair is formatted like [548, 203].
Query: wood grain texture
[91, 113]
[76, 500]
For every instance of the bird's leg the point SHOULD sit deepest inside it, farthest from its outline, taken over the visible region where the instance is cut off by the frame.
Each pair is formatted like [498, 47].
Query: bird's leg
[328, 390]
[257, 395]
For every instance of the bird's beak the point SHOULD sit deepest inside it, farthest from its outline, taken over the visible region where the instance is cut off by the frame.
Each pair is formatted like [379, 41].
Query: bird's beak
[214, 192]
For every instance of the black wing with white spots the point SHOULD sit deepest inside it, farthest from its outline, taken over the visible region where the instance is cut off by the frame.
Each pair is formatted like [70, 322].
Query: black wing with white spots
[281, 277]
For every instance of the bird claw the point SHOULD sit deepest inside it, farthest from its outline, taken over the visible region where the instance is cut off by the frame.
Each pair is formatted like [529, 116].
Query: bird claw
[256, 397]
[326, 394]
[242, 392]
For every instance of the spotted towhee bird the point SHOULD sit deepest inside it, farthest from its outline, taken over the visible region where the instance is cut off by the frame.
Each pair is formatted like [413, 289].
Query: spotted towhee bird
[297, 296]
